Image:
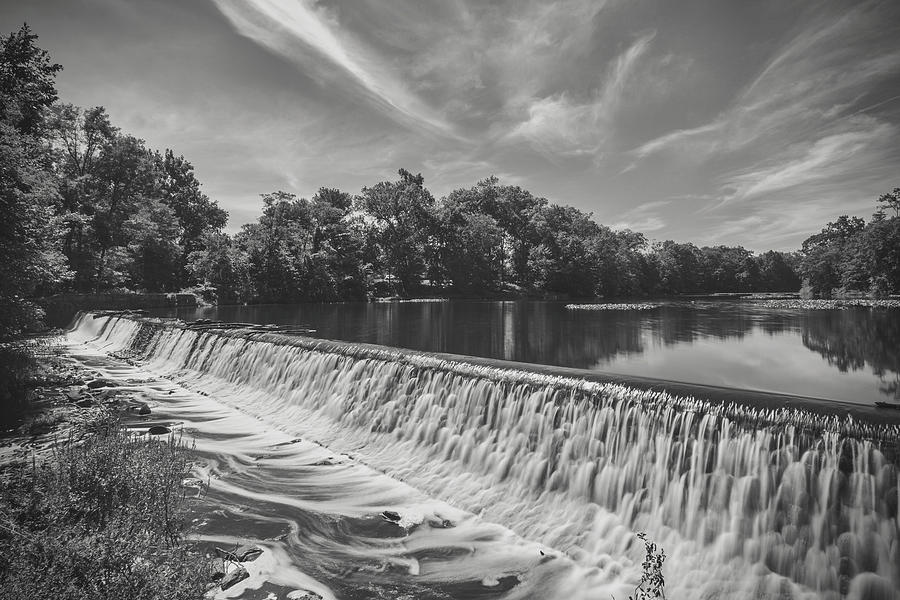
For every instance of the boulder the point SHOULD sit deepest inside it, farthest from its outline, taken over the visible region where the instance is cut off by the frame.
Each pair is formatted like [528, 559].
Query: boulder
[390, 515]
[100, 382]
[303, 595]
[248, 553]
[236, 575]
[141, 409]
[159, 430]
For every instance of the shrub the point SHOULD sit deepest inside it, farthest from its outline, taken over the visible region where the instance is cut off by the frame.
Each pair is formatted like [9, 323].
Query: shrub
[102, 518]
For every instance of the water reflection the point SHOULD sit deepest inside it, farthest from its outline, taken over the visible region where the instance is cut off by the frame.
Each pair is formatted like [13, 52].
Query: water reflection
[718, 343]
[856, 340]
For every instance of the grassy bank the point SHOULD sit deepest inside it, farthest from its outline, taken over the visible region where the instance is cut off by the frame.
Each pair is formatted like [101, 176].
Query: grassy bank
[98, 514]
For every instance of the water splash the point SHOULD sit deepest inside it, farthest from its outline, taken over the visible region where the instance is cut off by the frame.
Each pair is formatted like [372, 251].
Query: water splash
[746, 502]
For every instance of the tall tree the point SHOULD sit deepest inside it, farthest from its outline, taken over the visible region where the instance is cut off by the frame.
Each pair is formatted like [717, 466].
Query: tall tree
[827, 254]
[180, 190]
[400, 213]
[28, 252]
[27, 81]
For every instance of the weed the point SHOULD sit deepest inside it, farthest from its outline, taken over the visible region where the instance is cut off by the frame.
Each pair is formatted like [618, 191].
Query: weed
[103, 518]
[653, 584]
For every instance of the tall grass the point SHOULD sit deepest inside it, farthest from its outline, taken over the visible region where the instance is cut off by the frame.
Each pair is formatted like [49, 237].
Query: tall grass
[102, 518]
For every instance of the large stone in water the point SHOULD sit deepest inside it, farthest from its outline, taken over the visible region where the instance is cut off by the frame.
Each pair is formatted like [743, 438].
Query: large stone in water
[248, 553]
[236, 575]
[100, 382]
[869, 586]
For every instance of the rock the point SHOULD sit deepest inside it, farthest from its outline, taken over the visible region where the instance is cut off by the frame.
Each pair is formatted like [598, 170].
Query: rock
[100, 382]
[303, 595]
[248, 553]
[234, 576]
[442, 524]
[390, 515]
[85, 403]
[141, 409]
[73, 393]
[159, 430]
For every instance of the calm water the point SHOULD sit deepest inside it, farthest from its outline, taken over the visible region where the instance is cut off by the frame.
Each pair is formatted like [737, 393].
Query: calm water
[851, 355]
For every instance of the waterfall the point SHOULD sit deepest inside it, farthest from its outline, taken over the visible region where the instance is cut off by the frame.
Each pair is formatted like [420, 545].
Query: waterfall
[747, 503]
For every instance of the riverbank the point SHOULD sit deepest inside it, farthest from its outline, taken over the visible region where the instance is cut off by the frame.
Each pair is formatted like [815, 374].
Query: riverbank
[88, 507]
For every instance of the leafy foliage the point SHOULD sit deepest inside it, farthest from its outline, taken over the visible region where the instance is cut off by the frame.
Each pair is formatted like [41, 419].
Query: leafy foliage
[102, 518]
[850, 256]
[653, 584]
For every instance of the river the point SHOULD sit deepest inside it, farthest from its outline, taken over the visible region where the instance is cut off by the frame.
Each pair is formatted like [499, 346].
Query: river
[848, 355]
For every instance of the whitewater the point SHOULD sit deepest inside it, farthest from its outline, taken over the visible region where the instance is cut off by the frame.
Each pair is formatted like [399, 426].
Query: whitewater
[505, 483]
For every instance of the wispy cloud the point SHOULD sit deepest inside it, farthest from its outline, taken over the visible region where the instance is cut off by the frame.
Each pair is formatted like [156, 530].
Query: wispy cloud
[645, 218]
[557, 125]
[833, 157]
[806, 85]
[280, 25]
[809, 137]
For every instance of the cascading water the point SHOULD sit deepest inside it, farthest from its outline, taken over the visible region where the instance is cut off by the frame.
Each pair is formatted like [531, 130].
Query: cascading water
[746, 503]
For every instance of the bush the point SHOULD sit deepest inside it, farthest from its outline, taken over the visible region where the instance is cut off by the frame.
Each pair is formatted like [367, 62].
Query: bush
[17, 367]
[653, 584]
[102, 518]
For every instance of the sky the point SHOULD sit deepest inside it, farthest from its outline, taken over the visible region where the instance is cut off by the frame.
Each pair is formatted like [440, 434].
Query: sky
[714, 121]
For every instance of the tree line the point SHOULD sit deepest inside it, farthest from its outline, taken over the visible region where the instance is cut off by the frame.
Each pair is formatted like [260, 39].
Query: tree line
[394, 238]
[87, 207]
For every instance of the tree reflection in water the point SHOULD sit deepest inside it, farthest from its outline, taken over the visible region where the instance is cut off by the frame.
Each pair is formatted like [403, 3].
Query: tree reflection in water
[854, 339]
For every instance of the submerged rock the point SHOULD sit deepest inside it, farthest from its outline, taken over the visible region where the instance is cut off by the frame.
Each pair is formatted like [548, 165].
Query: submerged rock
[234, 576]
[303, 595]
[248, 553]
[141, 409]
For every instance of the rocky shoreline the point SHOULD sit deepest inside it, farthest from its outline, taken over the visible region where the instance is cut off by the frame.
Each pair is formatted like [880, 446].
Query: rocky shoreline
[76, 414]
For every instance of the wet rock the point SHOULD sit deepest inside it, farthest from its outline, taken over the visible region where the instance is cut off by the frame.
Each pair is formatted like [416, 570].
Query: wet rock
[442, 524]
[74, 394]
[236, 575]
[86, 402]
[159, 430]
[141, 409]
[390, 515]
[100, 382]
[248, 553]
[303, 595]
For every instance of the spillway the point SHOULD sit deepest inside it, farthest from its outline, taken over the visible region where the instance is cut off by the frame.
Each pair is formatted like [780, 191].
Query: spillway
[746, 502]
